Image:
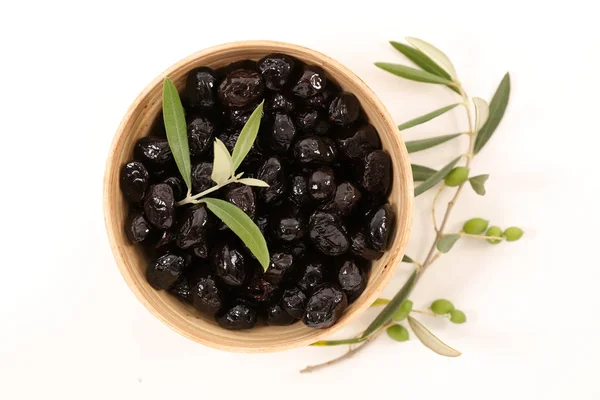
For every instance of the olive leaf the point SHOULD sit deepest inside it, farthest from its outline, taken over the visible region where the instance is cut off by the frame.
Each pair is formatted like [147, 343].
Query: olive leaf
[412, 73]
[419, 58]
[435, 54]
[337, 342]
[482, 112]
[413, 146]
[430, 340]
[176, 128]
[222, 163]
[241, 224]
[386, 314]
[426, 117]
[478, 183]
[247, 136]
[421, 173]
[379, 302]
[497, 109]
[407, 259]
[446, 242]
[436, 178]
[253, 182]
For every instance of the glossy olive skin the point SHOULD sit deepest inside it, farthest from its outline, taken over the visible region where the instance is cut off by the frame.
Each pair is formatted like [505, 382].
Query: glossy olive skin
[323, 99]
[182, 289]
[380, 226]
[280, 133]
[159, 206]
[240, 316]
[328, 234]
[229, 263]
[241, 88]
[272, 172]
[134, 181]
[201, 132]
[297, 248]
[163, 272]
[315, 149]
[207, 297]
[356, 142]
[375, 172]
[137, 228]
[344, 109]
[346, 198]
[276, 70]
[311, 82]
[236, 119]
[193, 227]
[299, 190]
[324, 307]
[306, 119]
[243, 197]
[294, 302]
[178, 186]
[279, 102]
[260, 290]
[201, 179]
[321, 184]
[154, 152]
[263, 223]
[201, 88]
[281, 267]
[360, 247]
[287, 225]
[313, 276]
[277, 316]
[351, 279]
[166, 241]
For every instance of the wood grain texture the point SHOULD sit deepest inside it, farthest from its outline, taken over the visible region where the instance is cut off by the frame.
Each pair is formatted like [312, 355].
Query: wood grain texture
[132, 262]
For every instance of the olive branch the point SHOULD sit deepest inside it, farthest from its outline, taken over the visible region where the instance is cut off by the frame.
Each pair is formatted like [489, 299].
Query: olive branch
[482, 121]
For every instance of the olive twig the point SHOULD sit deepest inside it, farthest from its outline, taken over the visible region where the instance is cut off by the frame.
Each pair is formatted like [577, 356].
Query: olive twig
[431, 314]
[481, 236]
[435, 199]
[193, 199]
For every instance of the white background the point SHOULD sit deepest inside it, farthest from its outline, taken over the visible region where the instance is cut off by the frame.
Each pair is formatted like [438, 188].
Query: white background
[71, 329]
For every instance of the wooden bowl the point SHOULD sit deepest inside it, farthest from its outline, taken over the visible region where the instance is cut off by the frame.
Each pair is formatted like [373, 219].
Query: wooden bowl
[132, 262]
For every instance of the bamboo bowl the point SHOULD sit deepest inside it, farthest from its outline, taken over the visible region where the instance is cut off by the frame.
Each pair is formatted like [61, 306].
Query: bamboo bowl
[132, 262]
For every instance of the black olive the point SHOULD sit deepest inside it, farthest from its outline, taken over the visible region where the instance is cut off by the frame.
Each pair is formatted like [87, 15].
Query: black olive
[344, 109]
[272, 172]
[201, 88]
[346, 197]
[352, 279]
[163, 272]
[136, 227]
[154, 152]
[193, 227]
[356, 142]
[298, 249]
[207, 297]
[299, 190]
[279, 102]
[276, 70]
[229, 263]
[324, 307]
[238, 118]
[328, 234]
[243, 197]
[241, 88]
[281, 266]
[315, 149]
[287, 225]
[361, 248]
[240, 316]
[201, 132]
[263, 224]
[321, 184]
[375, 172]
[134, 181]
[279, 133]
[178, 186]
[306, 119]
[277, 316]
[260, 290]
[311, 82]
[313, 276]
[159, 206]
[294, 302]
[182, 289]
[380, 226]
[201, 177]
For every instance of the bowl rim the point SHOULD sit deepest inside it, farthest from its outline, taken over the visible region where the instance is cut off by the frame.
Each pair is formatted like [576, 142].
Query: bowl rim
[403, 164]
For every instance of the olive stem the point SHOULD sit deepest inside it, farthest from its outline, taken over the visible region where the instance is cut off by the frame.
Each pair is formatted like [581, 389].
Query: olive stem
[481, 236]
[193, 199]
[435, 199]
[431, 314]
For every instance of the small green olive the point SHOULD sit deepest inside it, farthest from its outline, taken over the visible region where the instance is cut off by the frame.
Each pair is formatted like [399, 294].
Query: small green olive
[513, 233]
[457, 176]
[475, 226]
[398, 333]
[441, 306]
[403, 311]
[458, 317]
[496, 232]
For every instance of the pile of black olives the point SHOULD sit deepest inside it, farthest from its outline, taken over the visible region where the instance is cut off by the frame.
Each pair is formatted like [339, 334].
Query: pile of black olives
[325, 214]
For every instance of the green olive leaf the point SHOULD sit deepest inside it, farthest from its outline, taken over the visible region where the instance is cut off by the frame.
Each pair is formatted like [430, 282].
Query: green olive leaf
[482, 112]
[430, 340]
[176, 128]
[379, 302]
[247, 136]
[497, 109]
[435, 54]
[407, 259]
[417, 145]
[412, 73]
[446, 242]
[398, 333]
[253, 182]
[436, 178]
[386, 314]
[426, 117]
[421, 173]
[420, 59]
[241, 224]
[337, 342]
[478, 183]
[222, 163]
